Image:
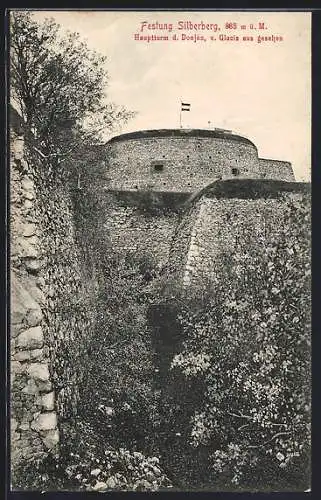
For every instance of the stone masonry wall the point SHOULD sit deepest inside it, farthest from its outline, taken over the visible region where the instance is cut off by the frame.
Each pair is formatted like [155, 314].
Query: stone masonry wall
[71, 289]
[53, 297]
[130, 230]
[34, 427]
[189, 163]
[181, 241]
[276, 169]
[212, 235]
[214, 226]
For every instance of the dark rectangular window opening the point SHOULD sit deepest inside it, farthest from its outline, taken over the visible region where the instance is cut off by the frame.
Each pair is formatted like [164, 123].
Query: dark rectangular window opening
[158, 167]
[235, 171]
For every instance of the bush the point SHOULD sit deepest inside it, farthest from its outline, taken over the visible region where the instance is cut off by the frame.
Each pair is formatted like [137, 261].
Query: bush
[89, 463]
[119, 397]
[40, 475]
[239, 390]
[95, 465]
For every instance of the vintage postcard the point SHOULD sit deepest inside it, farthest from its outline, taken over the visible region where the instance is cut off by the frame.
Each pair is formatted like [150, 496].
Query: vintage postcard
[160, 250]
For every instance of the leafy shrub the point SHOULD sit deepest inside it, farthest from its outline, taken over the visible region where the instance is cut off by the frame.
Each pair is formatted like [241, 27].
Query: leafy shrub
[88, 462]
[239, 389]
[40, 475]
[119, 396]
[93, 464]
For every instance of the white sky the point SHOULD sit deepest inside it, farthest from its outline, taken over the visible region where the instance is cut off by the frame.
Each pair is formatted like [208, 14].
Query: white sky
[262, 91]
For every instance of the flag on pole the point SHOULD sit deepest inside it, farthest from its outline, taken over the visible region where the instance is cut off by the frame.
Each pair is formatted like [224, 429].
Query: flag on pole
[185, 106]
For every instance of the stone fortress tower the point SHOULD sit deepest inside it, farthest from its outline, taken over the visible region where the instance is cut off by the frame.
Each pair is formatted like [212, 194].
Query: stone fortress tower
[151, 175]
[186, 160]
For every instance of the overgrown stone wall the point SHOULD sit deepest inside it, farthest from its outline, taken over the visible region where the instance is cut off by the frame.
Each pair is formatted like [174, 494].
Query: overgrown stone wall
[223, 219]
[53, 299]
[71, 289]
[180, 244]
[34, 428]
[139, 234]
[140, 226]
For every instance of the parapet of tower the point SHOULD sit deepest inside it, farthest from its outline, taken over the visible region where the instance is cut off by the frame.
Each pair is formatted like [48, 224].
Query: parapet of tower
[185, 160]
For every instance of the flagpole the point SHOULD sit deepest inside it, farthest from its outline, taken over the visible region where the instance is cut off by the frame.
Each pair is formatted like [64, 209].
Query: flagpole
[184, 107]
[180, 114]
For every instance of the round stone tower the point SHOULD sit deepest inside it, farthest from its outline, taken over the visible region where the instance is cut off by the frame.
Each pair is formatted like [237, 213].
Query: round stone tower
[184, 160]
